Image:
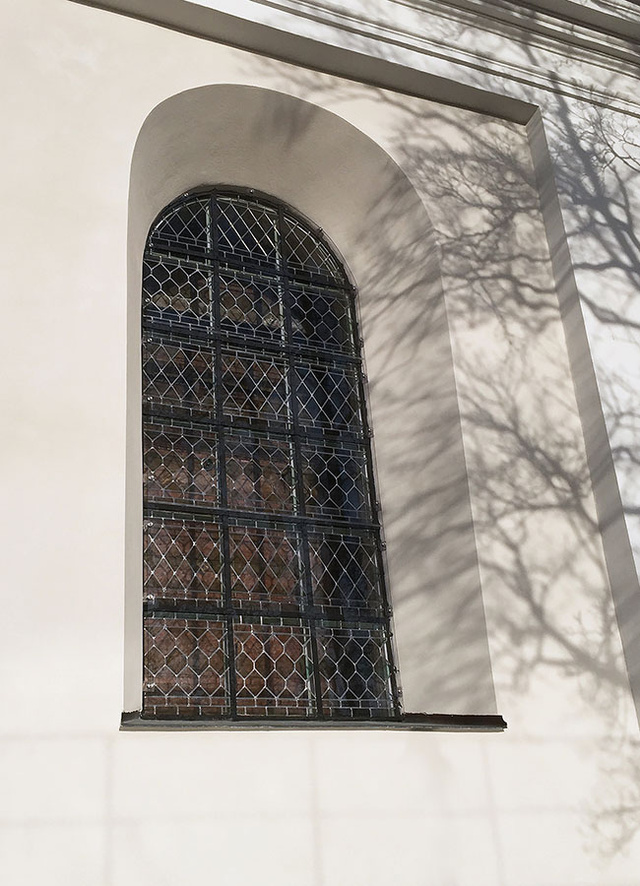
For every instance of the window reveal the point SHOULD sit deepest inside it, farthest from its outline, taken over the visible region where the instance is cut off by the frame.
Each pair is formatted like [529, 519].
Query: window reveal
[264, 590]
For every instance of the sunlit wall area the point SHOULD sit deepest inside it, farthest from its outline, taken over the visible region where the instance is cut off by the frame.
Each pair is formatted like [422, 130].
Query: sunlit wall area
[482, 198]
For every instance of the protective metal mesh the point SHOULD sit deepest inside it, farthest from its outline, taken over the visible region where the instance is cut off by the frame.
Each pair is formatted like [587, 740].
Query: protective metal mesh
[263, 580]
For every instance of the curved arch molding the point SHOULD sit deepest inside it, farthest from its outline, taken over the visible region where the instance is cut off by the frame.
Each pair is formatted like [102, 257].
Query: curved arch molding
[346, 184]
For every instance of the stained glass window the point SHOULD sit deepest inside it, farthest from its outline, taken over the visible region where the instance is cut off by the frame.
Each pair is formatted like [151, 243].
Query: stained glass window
[264, 587]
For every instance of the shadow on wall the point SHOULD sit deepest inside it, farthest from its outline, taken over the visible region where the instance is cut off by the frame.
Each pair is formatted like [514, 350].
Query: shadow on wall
[553, 625]
[348, 185]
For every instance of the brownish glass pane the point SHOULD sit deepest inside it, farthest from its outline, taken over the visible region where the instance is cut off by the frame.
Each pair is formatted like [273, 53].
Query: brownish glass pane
[250, 305]
[177, 293]
[180, 465]
[177, 375]
[259, 474]
[272, 670]
[182, 560]
[265, 569]
[253, 387]
[184, 668]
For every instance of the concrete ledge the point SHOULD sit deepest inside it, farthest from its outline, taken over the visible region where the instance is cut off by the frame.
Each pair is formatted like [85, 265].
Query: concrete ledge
[134, 722]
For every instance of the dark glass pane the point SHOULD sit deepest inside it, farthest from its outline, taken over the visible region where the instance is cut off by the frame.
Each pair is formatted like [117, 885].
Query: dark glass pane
[344, 574]
[335, 481]
[305, 253]
[247, 233]
[186, 227]
[327, 397]
[321, 319]
[354, 672]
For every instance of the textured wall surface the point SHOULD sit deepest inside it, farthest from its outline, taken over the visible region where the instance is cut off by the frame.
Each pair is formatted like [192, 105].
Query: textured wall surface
[482, 304]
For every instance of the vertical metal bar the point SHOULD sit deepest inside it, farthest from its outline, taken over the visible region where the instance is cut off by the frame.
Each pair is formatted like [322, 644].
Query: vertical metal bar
[222, 473]
[307, 611]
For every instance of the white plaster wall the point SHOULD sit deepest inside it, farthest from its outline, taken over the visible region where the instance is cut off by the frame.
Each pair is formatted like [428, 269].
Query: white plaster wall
[553, 800]
[329, 170]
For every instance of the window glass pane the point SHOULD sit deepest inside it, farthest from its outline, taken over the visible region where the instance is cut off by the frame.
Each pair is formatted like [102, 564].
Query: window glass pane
[265, 568]
[306, 254]
[335, 481]
[321, 318]
[354, 672]
[184, 668]
[263, 587]
[176, 293]
[247, 233]
[179, 376]
[253, 386]
[183, 560]
[327, 397]
[273, 670]
[250, 305]
[344, 574]
[180, 464]
[259, 474]
[185, 227]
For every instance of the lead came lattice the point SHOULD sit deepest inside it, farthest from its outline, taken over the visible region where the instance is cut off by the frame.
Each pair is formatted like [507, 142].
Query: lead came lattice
[263, 580]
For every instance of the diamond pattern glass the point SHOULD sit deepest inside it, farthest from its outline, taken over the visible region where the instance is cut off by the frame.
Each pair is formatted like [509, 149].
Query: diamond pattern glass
[250, 305]
[253, 387]
[264, 593]
[178, 376]
[354, 671]
[187, 227]
[327, 397]
[185, 674]
[259, 475]
[272, 670]
[265, 568]
[175, 293]
[182, 560]
[345, 575]
[305, 252]
[335, 481]
[180, 464]
[247, 232]
[321, 319]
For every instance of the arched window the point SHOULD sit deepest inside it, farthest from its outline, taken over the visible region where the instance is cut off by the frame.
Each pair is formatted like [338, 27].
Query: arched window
[263, 578]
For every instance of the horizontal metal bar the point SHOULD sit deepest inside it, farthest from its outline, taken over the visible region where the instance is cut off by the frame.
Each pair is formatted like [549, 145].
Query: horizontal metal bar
[301, 616]
[258, 519]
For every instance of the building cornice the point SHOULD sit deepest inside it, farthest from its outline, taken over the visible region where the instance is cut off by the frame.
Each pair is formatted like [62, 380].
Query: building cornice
[504, 79]
[527, 25]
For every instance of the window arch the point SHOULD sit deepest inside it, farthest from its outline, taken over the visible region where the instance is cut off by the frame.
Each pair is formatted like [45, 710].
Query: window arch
[264, 584]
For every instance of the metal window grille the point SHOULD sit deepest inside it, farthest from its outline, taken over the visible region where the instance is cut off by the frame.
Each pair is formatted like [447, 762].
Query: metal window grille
[263, 573]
